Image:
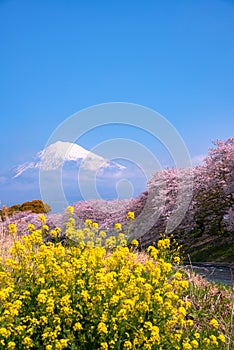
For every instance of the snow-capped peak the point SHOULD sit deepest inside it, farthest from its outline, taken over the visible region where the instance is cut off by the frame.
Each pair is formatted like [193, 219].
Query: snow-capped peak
[55, 155]
[64, 150]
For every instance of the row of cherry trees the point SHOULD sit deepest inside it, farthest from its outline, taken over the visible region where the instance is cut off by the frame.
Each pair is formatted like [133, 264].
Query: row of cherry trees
[209, 208]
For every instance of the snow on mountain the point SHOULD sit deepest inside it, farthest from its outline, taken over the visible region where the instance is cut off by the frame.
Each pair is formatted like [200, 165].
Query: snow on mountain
[20, 169]
[83, 175]
[58, 153]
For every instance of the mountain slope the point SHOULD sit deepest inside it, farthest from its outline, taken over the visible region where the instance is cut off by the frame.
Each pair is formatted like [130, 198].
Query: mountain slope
[55, 155]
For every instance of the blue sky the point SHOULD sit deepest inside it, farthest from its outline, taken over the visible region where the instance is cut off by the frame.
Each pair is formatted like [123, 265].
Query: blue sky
[58, 57]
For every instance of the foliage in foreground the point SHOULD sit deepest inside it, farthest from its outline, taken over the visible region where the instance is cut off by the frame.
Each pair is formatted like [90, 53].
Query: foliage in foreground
[96, 294]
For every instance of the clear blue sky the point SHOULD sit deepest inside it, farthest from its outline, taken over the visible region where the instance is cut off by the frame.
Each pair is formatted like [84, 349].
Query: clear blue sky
[60, 56]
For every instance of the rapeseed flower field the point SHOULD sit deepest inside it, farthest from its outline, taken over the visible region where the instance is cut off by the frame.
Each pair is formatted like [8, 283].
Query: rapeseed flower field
[95, 293]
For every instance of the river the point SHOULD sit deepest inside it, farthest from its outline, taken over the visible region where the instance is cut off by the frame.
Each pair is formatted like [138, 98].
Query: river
[216, 272]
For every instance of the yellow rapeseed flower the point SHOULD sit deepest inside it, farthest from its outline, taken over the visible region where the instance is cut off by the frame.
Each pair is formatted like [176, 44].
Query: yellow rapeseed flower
[27, 341]
[163, 243]
[222, 338]
[100, 295]
[186, 346]
[54, 233]
[104, 346]
[12, 229]
[135, 242]
[70, 209]
[214, 340]
[102, 234]
[88, 223]
[195, 344]
[42, 218]
[30, 227]
[214, 323]
[127, 345]
[5, 333]
[11, 345]
[176, 260]
[102, 328]
[153, 252]
[118, 227]
[206, 341]
[77, 326]
[95, 225]
[131, 215]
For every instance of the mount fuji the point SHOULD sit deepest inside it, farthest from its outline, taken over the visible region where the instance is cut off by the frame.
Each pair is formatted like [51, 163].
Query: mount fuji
[112, 179]
[61, 153]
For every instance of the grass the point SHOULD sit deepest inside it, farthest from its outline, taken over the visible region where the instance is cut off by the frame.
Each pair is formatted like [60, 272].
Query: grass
[221, 253]
[211, 299]
[209, 248]
[6, 242]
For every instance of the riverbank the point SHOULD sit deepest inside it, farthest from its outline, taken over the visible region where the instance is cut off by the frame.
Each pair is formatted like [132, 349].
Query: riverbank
[217, 249]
